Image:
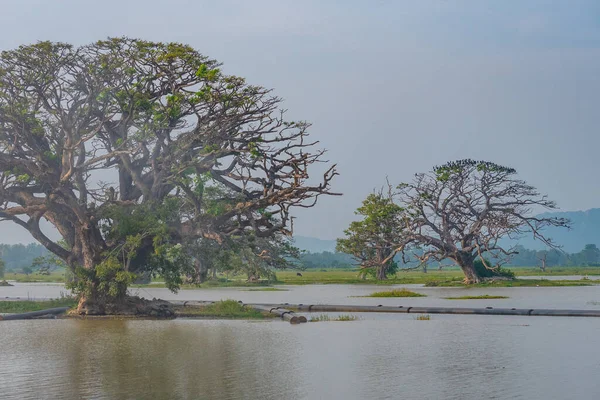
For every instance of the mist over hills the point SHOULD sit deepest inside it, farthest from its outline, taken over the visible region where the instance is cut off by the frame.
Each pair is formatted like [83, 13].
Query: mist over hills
[585, 229]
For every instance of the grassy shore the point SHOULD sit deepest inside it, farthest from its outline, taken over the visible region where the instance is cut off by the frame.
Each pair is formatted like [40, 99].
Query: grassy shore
[228, 309]
[396, 293]
[27, 306]
[326, 318]
[513, 283]
[449, 277]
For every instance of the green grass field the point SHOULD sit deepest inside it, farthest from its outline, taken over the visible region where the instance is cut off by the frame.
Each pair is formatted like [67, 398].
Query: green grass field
[446, 277]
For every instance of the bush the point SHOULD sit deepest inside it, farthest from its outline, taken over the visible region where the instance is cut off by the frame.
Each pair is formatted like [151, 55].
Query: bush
[484, 272]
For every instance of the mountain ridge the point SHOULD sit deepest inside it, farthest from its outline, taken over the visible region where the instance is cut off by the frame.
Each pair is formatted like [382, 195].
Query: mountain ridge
[585, 229]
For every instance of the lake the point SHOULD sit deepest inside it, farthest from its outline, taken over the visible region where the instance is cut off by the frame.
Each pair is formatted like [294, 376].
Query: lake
[379, 356]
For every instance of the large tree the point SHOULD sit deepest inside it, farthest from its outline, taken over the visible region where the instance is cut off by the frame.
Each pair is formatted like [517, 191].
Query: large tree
[134, 150]
[373, 240]
[464, 209]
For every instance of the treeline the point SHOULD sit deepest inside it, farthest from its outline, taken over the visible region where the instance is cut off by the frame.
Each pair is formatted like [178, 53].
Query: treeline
[326, 259]
[589, 256]
[16, 257]
[19, 257]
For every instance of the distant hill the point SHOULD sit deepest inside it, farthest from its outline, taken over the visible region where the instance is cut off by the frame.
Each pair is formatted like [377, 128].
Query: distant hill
[585, 229]
[314, 245]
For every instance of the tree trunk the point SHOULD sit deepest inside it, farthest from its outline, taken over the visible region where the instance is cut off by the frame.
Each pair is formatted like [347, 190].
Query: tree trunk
[92, 303]
[465, 261]
[382, 272]
[201, 271]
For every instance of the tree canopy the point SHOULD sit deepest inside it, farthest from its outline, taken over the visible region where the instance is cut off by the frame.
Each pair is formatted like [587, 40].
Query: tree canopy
[134, 149]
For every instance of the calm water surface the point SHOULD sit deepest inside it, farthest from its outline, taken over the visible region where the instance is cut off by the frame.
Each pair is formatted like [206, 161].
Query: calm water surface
[379, 356]
[471, 357]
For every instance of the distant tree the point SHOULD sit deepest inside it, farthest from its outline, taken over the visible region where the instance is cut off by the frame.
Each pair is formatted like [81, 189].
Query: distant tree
[463, 209]
[27, 270]
[372, 241]
[2, 268]
[590, 255]
[543, 255]
[253, 256]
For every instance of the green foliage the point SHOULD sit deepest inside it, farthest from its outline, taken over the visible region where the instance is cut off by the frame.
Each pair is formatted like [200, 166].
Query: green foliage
[346, 317]
[107, 282]
[454, 169]
[254, 257]
[327, 318]
[45, 265]
[484, 272]
[134, 230]
[2, 268]
[371, 240]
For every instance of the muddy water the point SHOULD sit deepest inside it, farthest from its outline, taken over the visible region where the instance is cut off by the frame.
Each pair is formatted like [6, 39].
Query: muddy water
[379, 356]
[448, 357]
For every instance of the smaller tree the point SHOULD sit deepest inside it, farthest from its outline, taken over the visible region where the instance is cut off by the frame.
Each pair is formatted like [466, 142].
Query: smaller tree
[2, 268]
[373, 240]
[542, 256]
[27, 270]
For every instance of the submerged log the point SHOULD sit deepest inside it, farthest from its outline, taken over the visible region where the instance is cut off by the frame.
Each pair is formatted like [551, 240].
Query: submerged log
[34, 314]
[436, 310]
[283, 313]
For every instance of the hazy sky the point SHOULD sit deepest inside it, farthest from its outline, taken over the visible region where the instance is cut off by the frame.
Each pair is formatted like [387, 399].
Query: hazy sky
[392, 87]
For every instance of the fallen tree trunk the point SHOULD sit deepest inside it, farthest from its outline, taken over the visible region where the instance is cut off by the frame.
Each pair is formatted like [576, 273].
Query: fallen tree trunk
[34, 314]
[286, 315]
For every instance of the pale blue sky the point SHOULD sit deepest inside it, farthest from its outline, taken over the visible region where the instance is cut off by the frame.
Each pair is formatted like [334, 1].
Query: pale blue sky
[392, 87]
